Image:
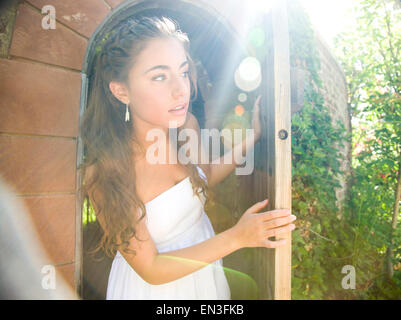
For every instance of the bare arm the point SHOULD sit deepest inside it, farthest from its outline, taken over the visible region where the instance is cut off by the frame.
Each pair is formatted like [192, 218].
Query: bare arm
[175, 264]
[217, 172]
[158, 268]
[252, 230]
[220, 170]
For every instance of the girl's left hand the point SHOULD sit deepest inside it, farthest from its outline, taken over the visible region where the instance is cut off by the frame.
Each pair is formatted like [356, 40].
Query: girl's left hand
[255, 119]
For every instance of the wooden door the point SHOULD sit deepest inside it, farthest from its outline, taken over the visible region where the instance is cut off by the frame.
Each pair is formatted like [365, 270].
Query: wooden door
[262, 273]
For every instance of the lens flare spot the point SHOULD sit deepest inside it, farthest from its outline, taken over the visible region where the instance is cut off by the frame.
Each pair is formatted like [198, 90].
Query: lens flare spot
[239, 110]
[249, 69]
[242, 286]
[248, 75]
[242, 97]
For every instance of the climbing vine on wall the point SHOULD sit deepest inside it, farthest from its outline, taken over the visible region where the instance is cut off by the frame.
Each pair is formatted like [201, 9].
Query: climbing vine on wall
[322, 242]
[327, 241]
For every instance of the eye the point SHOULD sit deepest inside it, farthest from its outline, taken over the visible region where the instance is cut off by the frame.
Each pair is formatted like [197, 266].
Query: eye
[158, 77]
[186, 73]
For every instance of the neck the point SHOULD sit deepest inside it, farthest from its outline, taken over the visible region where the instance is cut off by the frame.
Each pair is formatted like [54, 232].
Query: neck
[141, 129]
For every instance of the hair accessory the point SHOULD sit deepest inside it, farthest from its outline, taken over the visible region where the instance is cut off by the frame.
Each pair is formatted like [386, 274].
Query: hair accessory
[126, 113]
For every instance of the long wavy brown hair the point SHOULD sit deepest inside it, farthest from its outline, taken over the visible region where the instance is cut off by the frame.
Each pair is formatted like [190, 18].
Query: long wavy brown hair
[108, 139]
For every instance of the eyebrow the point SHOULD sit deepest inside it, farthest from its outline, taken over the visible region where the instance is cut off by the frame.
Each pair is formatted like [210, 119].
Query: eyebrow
[165, 67]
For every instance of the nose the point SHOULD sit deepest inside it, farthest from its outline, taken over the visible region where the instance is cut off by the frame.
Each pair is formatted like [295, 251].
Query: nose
[179, 87]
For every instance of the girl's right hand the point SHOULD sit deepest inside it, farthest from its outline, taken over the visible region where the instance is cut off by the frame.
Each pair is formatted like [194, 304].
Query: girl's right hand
[253, 229]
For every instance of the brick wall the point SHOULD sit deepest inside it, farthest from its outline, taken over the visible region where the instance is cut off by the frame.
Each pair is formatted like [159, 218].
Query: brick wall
[40, 88]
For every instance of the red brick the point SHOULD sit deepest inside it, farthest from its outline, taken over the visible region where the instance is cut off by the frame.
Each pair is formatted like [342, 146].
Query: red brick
[60, 46]
[54, 220]
[68, 273]
[38, 165]
[81, 16]
[49, 104]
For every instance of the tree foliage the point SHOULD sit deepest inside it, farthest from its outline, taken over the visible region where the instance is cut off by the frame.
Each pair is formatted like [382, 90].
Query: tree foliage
[325, 241]
[371, 58]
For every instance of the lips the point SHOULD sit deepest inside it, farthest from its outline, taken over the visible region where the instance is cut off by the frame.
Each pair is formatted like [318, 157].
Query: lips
[182, 111]
[178, 107]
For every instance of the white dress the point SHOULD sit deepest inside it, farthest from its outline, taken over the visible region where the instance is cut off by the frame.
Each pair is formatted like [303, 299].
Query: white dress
[175, 219]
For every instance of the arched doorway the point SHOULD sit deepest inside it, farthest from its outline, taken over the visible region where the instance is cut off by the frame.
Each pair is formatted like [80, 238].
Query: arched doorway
[218, 50]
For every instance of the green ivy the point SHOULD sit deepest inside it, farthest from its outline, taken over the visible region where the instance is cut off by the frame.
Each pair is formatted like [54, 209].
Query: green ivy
[326, 240]
[323, 240]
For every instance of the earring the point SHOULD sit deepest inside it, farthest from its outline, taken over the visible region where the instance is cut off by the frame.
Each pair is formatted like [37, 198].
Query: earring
[126, 113]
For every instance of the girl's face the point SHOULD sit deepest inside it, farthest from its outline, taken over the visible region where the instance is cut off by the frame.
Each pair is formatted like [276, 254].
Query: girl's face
[158, 83]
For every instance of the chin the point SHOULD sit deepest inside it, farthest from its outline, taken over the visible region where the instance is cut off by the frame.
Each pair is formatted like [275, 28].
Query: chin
[176, 123]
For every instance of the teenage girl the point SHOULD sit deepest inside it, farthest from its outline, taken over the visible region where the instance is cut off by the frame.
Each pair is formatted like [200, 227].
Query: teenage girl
[152, 215]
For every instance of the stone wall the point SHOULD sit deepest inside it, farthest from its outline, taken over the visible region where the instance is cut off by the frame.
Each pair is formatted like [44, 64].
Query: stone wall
[335, 95]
